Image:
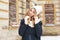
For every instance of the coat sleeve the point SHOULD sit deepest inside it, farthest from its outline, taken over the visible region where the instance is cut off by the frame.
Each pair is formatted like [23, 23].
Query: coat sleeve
[22, 28]
[38, 28]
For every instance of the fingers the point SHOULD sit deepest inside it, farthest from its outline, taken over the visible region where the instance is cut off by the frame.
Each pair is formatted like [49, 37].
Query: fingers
[26, 19]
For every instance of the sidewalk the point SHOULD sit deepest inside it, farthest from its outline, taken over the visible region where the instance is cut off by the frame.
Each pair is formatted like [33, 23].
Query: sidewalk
[50, 38]
[12, 34]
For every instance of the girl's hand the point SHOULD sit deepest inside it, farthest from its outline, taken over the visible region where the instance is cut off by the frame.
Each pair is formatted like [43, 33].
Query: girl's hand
[38, 16]
[36, 19]
[27, 20]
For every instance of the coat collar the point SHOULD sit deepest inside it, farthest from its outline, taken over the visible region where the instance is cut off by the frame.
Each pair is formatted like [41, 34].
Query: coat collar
[37, 20]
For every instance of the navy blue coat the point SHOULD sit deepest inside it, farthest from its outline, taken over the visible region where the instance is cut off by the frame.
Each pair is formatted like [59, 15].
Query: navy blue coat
[29, 33]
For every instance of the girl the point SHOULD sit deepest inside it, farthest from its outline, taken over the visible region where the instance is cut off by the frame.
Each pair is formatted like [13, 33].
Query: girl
[30, 26]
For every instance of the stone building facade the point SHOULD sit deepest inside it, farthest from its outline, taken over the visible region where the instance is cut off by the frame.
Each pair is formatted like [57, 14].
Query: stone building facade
[12, 11]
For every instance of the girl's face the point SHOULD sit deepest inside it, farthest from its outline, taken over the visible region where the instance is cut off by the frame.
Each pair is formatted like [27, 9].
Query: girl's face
[32, 12]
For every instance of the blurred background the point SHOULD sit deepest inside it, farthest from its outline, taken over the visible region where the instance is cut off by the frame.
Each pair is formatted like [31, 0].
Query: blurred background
[12, 11]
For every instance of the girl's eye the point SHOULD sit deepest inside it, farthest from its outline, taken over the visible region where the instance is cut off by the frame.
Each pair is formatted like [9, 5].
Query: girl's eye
[33, 12]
